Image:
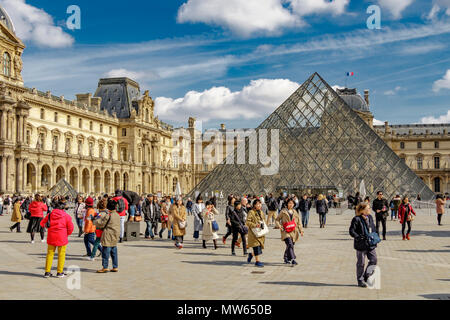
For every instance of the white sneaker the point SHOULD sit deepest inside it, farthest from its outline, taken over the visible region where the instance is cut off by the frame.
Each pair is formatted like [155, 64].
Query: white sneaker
[32, 241]
[89, 259]
[42, 241]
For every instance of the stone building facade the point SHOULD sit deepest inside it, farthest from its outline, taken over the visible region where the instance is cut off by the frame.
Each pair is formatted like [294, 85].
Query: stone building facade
[98, 143]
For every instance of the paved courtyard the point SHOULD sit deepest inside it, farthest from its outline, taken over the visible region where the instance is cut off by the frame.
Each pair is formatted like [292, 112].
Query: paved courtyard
[416, 269]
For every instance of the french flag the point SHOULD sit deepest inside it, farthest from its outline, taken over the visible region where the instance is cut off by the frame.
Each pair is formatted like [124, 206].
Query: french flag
[350, 74]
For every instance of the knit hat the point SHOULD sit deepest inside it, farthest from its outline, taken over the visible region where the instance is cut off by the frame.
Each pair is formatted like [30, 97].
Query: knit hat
[89, 202]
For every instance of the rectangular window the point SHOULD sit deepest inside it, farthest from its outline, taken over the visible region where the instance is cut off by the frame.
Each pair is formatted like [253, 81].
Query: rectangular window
[56, 116]
[110, 130]
[419, 145]
[437, 162]
[91, 126]
[42, 114]
[101, 128]
[124, 132]
[436, 144]
[402, 145]
[80, 123]
[420, 163]
[68, 121]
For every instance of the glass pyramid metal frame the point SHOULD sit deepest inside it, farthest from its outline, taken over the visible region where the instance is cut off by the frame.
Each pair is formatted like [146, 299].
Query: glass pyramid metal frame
[323, 144]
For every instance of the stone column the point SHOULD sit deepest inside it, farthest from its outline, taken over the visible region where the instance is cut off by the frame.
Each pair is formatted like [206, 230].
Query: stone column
[2, 174]
[3, 125]
[7, 175]
[19, 176]
[20, 133]
[24, 174]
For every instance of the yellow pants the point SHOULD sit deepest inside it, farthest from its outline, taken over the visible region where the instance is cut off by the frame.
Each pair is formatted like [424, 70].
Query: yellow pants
[273, 215]
[61, 258]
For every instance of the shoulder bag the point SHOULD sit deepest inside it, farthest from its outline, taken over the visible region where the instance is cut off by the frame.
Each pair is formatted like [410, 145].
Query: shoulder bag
[372, 238]
[261, 232]
[242, 227]
[290, 226]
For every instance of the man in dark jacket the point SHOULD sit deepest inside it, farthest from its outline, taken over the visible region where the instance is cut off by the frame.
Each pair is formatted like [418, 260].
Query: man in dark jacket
[361, 225]
[273, 209]
[304, 206]
[381, 208]
[152, 215]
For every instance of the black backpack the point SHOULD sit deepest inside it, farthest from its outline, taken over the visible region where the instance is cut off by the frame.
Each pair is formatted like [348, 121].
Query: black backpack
[6, 202]
[120, 207]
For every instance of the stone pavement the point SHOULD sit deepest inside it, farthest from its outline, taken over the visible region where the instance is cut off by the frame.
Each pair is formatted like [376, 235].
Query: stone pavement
[416, 269]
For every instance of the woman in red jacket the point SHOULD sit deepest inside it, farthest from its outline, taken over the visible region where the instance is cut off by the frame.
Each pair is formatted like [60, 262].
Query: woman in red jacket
[36, 209]
[405, 213]
[60, 227]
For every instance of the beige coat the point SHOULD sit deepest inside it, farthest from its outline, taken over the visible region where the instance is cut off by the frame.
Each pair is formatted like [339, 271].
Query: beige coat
[253, 219]
[111, 229]
[178, 214]
[208, 218]
[16, 215]
[283, 218]
[440, 206]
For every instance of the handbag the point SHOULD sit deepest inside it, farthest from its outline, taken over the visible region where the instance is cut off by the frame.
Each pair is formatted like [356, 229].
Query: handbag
[182, 224]
[410, 218]
[372, 238]
[289, 226]
[215, 226]
[138, 218]
[261, 232]
[243, 228]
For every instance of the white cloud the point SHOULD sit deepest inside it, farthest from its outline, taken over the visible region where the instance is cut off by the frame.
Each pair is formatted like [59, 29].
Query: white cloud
[444, 83]
[255, 100]
[393, 92]
[119, 73]
[378, 122]
[36, 25]
[249, 17]
[395, 7]
[438, 6]
[432, 120]
[307, 7]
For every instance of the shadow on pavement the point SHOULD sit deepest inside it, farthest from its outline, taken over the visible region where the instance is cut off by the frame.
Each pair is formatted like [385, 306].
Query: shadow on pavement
[438, 234]
[425, 251]
[15, 241]
[27, 274]
[307, 284]
[437, 296]
[444, 279]
[235, 263]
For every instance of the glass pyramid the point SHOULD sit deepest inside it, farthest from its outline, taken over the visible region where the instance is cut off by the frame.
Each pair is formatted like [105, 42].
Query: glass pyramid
[324, 145]
[63, 188]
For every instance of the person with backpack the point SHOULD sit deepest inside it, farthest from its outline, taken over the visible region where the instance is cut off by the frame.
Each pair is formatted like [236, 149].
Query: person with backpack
[89, 227]
[178, 212]
[397, 202]
[109, 223]
[101, 207]
[238, 227]
[273, 210]
[405, 214]
[122, 207]
[288, 221]
[322, 210]
[305, 206]
[16, 215]
[210, 225]
[60, 227]
[361, 227]
[37, 209]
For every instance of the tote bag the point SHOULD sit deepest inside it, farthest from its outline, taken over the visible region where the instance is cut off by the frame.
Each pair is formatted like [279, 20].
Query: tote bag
[261, 232]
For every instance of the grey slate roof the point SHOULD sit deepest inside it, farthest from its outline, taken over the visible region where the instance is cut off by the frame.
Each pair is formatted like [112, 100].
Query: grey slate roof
[118, 95]
[6, 20]
[353, 99]
[417, 129]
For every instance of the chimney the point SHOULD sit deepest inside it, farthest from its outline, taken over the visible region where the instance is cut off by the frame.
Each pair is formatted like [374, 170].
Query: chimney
[222, 127]
[366, 97]
[84, 98]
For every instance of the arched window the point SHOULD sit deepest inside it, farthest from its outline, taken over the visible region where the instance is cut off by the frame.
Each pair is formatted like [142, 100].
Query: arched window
[147, 116]
[7, 64]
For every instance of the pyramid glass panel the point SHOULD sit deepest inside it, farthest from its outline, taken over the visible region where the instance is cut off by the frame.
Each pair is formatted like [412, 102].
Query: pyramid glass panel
[323, 145]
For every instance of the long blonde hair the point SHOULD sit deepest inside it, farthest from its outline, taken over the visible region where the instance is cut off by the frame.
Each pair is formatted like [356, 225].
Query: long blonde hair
[320, 197]
[361, 207]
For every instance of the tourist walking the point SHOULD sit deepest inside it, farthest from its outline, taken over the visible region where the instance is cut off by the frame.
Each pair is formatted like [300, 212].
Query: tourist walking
[440, 208]
[80, 211]
[179, 214]
[152, 215]
[228, 212]
[1, 204]
[37, 209]
[89, 227]
[7, 205]
[273, 210]
[322, 210]
[166, 218]
[381, 208]
[101, 207]
[361, 227]
[109, 223]
[16, 216]
[197, 210]
[60, 227]
[122, 206]
[189, 205]
[397, 201]
[210, 225]
[405, 214]
[238, 227]
[288, 221]
[304, 207]
[256, 221]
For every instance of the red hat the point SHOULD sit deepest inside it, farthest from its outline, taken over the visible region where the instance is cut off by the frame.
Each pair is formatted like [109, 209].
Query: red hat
[89, 202]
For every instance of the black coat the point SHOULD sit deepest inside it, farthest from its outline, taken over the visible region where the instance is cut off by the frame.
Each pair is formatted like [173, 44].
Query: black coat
[359, 233]
[378, 205]
[237, 219]
[148, 216]
[304, 205]
[321, 206]
[132, 197]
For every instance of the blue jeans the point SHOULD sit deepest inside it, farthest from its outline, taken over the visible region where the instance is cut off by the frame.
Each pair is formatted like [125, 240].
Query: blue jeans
[98, 246]
[106, 253]
[88, 240]
[1, 209]
[305, 218]
[149, 229]
[79, 224]
[393, 214]
[132, 210]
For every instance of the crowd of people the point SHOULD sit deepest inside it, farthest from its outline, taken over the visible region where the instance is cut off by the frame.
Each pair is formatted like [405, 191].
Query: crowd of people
[101, 222]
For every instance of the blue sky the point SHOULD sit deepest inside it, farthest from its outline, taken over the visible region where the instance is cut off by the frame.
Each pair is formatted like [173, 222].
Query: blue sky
[235, 61]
